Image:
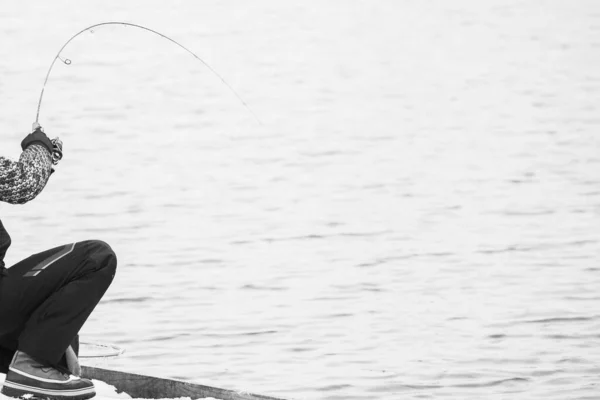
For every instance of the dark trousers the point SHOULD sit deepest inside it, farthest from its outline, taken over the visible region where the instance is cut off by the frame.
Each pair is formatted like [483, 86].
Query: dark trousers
[46, 298]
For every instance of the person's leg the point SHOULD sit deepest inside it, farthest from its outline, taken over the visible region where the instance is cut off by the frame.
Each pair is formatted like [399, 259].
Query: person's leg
[83, 281]
[45, 300]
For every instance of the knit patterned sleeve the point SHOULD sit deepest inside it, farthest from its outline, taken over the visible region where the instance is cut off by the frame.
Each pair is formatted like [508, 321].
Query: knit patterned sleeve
[23, 180]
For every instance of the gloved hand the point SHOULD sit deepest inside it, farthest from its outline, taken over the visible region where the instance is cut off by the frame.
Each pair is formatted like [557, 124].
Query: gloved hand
[54, 146]
[37, 136]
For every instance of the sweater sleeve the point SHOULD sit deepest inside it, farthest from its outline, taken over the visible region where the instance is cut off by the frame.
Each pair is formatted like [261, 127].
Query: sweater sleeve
[23, 180]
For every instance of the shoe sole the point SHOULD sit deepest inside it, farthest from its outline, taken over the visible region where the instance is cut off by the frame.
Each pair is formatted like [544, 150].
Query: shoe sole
[16, 390]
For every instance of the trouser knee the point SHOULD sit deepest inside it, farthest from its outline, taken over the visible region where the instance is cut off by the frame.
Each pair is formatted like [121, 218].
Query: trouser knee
[103, 256]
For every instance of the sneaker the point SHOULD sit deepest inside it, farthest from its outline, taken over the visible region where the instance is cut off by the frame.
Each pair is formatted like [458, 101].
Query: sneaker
[27, 378]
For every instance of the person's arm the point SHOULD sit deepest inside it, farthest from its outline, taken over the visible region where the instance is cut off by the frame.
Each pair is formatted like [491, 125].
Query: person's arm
[23, 180]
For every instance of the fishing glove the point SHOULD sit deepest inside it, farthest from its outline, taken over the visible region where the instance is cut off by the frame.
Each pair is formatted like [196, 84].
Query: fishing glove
[39, 137]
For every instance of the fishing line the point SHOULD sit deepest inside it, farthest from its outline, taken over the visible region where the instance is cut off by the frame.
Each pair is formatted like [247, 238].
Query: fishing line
[99, 350]
[67, 61]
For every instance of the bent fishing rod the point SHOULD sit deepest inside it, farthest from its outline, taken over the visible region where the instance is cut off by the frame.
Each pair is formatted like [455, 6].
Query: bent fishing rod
[91, 28]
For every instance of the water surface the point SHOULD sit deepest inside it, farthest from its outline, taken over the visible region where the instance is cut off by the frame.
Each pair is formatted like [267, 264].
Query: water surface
[417, 217]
